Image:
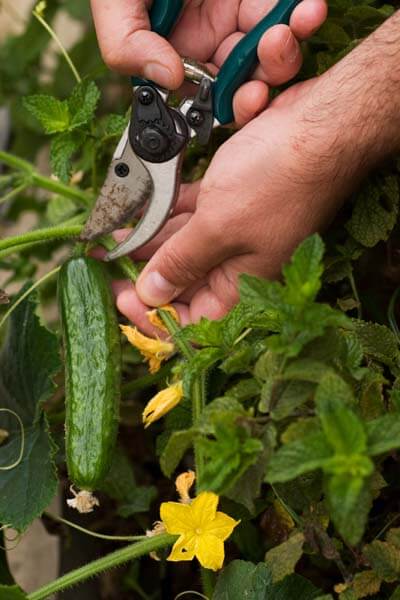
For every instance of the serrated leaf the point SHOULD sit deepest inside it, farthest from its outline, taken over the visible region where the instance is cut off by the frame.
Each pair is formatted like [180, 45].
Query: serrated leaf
[383, 434]
[60, 209]
[375, 212]
[82, 103]
[296, 458]
[378, 342]
[11, 593]
[178, 443]
[248, 487]
[393, 537]
[62, 149]
[28, 362]
[343, 429]
[115, 125]
[288, 396]
[52, 114]
[384, 558]
[349, 500]
[303, 274]
[282, 559]
[365, 584]
[203, 360]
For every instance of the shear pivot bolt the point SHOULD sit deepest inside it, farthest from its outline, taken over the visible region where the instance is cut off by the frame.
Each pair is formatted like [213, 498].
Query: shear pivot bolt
[146, 97]
[195, 117]
[122, 170]
[153, 141]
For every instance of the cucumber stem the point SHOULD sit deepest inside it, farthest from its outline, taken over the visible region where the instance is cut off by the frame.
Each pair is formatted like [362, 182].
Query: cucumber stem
[119, 557]
[45, 183]
[41, 235]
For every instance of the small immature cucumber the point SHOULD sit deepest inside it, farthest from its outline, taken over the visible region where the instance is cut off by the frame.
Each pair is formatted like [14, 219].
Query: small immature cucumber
[93, 374]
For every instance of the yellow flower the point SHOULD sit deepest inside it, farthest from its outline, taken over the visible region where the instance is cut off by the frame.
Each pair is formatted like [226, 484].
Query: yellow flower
[155, 351]
[162, 403]
[201, 528]
[155, 320]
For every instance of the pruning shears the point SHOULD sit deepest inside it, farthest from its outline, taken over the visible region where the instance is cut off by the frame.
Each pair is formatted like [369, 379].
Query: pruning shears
[144, 174]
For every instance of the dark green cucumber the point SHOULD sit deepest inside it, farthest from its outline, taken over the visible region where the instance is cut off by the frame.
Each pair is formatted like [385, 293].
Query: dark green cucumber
[92, 367]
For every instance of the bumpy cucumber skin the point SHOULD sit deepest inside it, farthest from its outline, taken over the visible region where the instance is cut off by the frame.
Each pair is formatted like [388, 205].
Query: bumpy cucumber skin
[92, 352]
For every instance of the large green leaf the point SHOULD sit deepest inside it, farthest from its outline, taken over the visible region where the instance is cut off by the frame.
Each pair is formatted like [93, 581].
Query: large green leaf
[28, 362]
[244, 580]
[383, 434]
[303, 274]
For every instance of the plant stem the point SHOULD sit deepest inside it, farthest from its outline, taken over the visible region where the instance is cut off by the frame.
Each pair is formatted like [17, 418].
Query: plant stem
[141, 383]
[41, 235]
[20, 248]
[110, 561]
[27, 293]
[57, 40]
[199, 385]
[46, 183]
[126, 265]
[356, 294]
[392, 314]
[13, 193]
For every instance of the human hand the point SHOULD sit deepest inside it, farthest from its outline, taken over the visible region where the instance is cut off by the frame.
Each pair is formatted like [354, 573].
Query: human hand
[207, 32]
[277, 180]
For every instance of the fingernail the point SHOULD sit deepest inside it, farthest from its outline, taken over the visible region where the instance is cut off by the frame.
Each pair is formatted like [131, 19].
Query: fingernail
[290, 50]
[158, 73]
[155, 290]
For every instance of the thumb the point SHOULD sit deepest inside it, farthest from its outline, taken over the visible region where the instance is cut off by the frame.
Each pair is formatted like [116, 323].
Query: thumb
[185, 258]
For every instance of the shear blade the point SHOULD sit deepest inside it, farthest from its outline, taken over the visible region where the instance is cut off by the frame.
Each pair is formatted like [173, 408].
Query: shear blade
[127, 187]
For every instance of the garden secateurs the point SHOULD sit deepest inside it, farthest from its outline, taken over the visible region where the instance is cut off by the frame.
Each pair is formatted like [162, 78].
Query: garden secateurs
[144, 175]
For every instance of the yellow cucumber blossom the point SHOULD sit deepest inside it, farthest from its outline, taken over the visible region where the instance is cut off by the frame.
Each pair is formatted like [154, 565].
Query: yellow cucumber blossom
[156, 321]
[201, 528]
[183, 484]
[162, 403]
[155, 351]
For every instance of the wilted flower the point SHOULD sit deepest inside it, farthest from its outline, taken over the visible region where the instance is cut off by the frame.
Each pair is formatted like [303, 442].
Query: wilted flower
[154, 350]
[162, 403]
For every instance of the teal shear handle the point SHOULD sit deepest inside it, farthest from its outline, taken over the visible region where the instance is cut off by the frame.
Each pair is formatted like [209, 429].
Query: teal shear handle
[164, 14]
[243, 59]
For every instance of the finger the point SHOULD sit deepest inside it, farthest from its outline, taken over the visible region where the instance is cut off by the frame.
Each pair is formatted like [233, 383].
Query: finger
[185, 258]
[308, 17]
[249, 101]
[129, 304]
[279, 54]
[128, 46]
[187, 198]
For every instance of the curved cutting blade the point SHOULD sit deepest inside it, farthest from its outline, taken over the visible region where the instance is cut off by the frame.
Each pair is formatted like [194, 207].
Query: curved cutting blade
[166, 179]
[127, 187]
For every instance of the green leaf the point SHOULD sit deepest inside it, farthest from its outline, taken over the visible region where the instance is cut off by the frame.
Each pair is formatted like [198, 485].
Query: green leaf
[349, 501]
[396, 594]
[343, 429]
[202, 361]
[83, 103]
[378, 342]
[393, 537]
[282, 559]
[52, 114]
[120, 484]
[296, 458]
[227, 456]
[383, 434]
[244, 580]
[288, 396]
[366, 583]
[303, 274]
[267, 295]
[62, 149]
[375, 212]
[28, 362]
[11, 593]
[247, 489]
[384, 558]
[178, 443]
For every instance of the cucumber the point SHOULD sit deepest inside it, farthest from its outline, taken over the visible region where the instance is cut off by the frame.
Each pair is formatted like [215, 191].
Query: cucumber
[92, 352]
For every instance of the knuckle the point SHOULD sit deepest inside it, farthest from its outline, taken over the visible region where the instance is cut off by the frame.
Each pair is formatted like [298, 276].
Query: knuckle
[178, 267]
